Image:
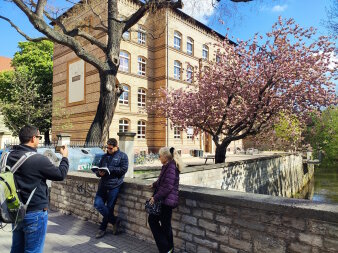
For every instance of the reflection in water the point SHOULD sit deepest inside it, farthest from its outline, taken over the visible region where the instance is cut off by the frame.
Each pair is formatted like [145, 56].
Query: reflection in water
[326, 185]
[323, 187]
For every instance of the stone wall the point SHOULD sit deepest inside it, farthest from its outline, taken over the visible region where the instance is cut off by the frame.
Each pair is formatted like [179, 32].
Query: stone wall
[279, 175]
[213, 220]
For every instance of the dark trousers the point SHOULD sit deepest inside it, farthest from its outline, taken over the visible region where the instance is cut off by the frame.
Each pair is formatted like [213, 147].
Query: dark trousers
[160, 226]
[104, 202]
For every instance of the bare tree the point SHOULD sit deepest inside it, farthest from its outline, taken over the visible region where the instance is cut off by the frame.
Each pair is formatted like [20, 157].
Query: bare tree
[56, 29]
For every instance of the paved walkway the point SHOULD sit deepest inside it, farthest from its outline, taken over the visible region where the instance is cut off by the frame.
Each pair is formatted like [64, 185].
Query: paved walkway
[66, 233]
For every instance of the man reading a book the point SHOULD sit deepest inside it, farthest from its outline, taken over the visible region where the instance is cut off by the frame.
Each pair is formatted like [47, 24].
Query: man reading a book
[117, 164]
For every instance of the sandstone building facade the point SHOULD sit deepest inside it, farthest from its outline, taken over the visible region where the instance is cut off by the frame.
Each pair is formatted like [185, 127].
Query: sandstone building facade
[161, 51]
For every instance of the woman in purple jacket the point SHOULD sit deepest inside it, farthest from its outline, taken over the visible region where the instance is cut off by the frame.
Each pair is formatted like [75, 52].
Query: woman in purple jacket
[166, 190]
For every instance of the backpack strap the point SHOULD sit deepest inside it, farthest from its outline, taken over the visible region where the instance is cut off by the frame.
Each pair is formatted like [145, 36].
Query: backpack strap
[22, 159]
[3, 161]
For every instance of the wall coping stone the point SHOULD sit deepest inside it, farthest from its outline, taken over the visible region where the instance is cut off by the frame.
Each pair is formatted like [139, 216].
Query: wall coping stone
[280, 205]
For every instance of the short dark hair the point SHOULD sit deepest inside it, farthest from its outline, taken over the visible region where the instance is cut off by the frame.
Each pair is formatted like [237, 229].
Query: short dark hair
[112, 141]
[26, 133]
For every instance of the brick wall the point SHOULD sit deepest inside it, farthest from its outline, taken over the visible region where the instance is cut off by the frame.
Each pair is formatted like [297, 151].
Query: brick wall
[212, 220]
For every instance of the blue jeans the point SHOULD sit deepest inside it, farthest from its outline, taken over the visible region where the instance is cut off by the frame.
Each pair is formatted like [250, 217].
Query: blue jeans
[106, 210]
[29, 236]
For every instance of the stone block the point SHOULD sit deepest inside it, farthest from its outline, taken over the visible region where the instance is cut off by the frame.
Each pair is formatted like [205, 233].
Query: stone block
[332, 230]
[281, 232]
[191, 203]
[194, 230]
[185, 236]
[184, 209]
[240, 244]
[190, 247]
[311, 239]
[317, 227]
[299, 248]
[223, 219]
[227, 249]
[254, 225]
[197, 212]
[207, 225]
[265, 244]
[294, 222]
[208, 214]
[217, 237]
[189, 219]
[331, 244]
[201, 249]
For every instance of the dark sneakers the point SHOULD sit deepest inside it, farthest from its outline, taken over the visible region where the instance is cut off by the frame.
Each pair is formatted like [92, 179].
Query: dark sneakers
[100, 234]
[116, 226]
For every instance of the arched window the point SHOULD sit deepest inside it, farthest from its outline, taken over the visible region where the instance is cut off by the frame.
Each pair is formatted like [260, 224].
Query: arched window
[124, 98]
[205, 52]
[177, 40]
[141, 129]
[177, 70]
[190, 46]
[123, 125]
[141, 97]
[141, 61]
[124, 61]
[190, 74]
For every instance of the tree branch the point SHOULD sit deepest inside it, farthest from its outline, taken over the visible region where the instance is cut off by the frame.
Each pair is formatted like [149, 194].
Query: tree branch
[22, 33]
[61, 38]
[90, 38]
[134, 18]
[40, 7]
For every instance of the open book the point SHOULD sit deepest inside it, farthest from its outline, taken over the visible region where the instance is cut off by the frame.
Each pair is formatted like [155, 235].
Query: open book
[96, 169]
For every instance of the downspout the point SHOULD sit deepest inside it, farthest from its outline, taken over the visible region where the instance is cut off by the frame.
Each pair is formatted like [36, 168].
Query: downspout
[167, 28]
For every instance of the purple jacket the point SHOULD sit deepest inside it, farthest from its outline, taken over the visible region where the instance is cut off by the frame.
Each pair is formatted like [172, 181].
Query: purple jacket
[166, 186]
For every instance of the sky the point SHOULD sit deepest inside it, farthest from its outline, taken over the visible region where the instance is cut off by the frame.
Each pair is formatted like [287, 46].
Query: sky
[242, 19]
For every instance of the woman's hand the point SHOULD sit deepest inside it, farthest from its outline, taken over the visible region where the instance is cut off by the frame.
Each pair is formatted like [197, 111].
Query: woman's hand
[151, 201]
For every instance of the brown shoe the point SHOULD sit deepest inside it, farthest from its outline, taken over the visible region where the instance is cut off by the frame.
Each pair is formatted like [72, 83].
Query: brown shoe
[116, 226]
[100, 234]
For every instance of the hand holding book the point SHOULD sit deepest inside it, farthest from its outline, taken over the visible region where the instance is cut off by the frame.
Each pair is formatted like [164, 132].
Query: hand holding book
[100, 170]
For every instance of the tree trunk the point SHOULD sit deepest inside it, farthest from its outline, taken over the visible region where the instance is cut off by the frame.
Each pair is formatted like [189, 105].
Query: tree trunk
[99, 129]
[221, 152]
[47, 140]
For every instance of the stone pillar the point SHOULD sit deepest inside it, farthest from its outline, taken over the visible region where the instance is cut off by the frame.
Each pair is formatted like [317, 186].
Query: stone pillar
[126, 145]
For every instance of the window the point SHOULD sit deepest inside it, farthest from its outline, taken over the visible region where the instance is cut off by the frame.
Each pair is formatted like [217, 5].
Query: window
[177, 133]
[141, 35]
[190, 46]
[141, 66]
[141, 97]
[126, 35]
[124, 98]
[218, 58]
[205, 52]
[124, 61]
[190, 132]
[123, 125]
[177, 40]
[177, 70]
[141, 129]
[189, 74]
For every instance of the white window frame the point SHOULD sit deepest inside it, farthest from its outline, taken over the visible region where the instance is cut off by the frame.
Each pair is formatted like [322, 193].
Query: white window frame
[124, 124]
[190, 41]
[190, 70]
[142, 65]
[141, 129]
[122, 99]
[190, 133]
[141, 36]
[205, 52]
[177, 40]
[124, 56]
[177, 132]
[177, 70]
[141, 97]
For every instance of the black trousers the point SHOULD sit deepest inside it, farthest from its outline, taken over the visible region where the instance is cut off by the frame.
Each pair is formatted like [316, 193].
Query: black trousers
[160, 226]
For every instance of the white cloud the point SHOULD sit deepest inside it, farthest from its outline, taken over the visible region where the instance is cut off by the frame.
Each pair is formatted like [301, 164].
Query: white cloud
[279, 8]
[199, 9]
